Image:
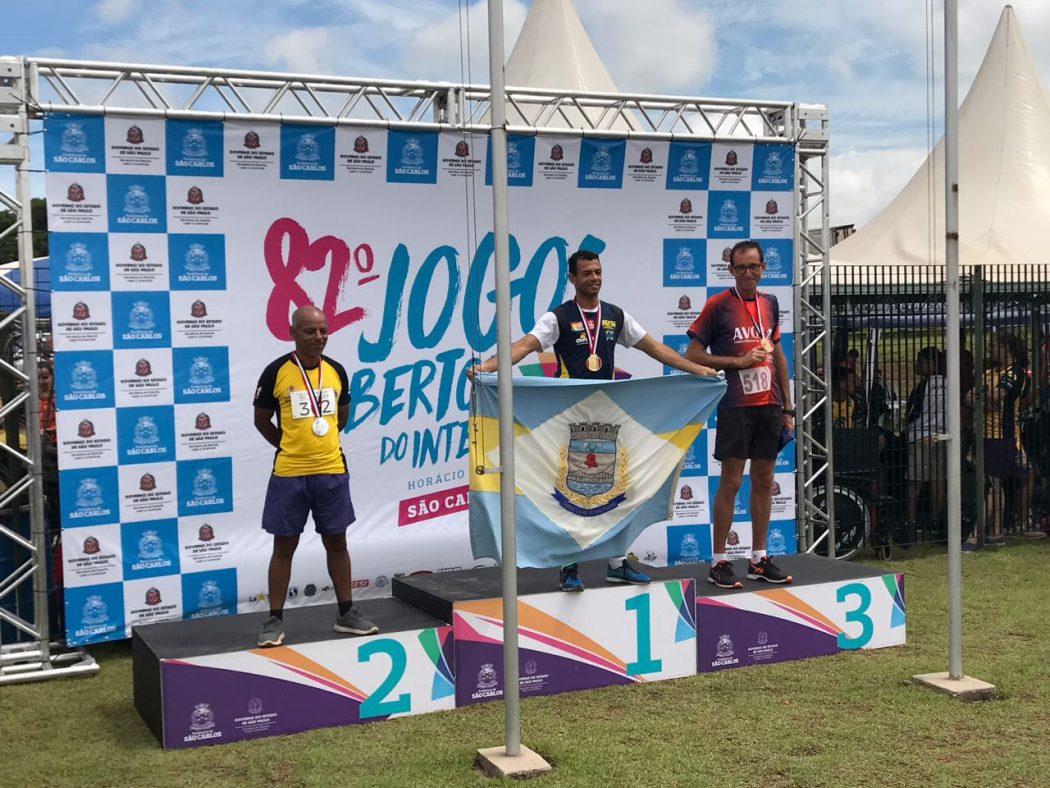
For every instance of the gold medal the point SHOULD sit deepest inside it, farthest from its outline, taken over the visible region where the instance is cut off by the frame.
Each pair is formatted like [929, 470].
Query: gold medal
[766, 345]
[594, 363]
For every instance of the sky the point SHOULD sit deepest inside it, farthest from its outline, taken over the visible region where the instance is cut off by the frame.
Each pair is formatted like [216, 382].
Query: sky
[868, 62]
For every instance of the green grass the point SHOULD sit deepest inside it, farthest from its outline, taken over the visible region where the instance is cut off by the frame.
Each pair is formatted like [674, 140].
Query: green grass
[853, 719]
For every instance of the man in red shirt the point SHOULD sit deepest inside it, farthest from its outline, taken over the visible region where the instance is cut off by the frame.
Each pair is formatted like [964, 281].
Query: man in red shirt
[739, 331]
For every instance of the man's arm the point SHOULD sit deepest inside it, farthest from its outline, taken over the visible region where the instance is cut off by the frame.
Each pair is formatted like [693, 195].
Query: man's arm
[780, 361]
[342, 416]
[663, 354]
[264, 423]
[527, 344]
[696, 353]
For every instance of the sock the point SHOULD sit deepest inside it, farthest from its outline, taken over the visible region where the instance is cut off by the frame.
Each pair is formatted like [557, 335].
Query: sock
[344, 607]
[278, 614]
[718, 557]
[757, 555]
[614, 562]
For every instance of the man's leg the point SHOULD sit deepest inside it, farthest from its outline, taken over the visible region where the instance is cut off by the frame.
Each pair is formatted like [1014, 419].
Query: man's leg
[761, 501]
[728, 486]
[284, 514]
[280, 572]
[721, 573]
[338, 558]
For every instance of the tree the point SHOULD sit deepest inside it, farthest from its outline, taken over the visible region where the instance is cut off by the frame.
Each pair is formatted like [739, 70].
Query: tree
[9, 244]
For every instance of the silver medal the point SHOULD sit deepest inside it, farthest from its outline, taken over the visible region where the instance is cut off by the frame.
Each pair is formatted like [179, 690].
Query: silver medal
[320, 427]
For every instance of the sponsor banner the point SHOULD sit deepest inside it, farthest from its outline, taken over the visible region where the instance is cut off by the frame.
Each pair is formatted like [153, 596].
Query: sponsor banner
[81, 320]
[194, 148]
[139, 261]
[252, 694]
[91, 556]
[571, 642]
[307, 152]
[79, 261]
[86, 438]
[776, 625]
[76, 203]
[135, 146]
[182, 247]
[521, 155]
[94, 613]
[74, 144]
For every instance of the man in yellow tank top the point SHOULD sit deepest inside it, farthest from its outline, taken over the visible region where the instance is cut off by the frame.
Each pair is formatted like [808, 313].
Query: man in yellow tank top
[310, 396]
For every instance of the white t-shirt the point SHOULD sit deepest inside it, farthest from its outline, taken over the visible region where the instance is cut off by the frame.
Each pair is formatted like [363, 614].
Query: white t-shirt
[933, 419]
[546, 330]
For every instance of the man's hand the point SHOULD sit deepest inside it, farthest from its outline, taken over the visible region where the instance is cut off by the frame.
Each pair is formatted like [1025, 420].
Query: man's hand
[753, 358]
[700, 369]
[789, 423]
[475, 368]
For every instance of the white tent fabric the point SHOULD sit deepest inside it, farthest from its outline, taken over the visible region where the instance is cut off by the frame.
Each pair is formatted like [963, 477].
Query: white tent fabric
[554, 51]
[1004, 175]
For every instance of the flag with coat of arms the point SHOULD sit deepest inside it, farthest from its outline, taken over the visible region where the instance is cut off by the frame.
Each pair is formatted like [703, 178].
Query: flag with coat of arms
[596, 462]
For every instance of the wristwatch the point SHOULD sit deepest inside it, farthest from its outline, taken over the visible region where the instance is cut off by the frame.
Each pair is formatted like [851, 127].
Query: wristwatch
[789, 411]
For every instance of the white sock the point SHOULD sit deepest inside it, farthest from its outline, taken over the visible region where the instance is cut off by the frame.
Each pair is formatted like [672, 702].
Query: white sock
[615, 561]
[757, 555]
[718, 557]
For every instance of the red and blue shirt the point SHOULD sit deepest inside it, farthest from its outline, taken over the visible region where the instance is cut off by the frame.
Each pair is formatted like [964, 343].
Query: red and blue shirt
[728, 326]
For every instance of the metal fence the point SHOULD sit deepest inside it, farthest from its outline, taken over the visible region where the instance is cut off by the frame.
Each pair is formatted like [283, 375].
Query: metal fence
[890, 414]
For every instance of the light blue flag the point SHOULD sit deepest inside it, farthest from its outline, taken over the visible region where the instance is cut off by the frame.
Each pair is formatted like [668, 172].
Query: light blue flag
[596, 462]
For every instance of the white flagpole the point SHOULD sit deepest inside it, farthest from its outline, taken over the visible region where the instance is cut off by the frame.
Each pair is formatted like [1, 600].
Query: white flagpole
[954, 682]
[511, 759]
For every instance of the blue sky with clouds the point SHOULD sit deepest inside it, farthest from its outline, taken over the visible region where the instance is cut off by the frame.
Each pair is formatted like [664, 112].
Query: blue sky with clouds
[866, 61]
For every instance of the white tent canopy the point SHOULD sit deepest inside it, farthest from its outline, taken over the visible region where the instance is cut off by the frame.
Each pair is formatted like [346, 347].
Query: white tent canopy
[554, 51]
[1004, 175]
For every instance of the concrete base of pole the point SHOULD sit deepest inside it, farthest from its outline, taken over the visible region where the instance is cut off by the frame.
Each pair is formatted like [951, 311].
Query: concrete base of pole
[495, 762]
[965, 688]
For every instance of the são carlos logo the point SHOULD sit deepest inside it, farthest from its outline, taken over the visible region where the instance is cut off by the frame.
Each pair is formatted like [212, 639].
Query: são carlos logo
[592, 470]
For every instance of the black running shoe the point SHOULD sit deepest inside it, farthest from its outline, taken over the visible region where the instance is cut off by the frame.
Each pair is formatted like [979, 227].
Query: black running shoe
[721, 575]
[766, 570]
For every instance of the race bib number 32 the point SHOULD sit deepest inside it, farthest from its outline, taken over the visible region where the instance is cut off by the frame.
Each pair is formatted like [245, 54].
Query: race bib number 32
[301, 404]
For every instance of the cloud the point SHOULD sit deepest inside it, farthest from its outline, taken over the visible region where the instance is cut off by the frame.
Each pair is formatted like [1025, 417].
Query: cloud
[305, 51]
[863, 181]
[437, 48]
[115, 11]
[661, 46]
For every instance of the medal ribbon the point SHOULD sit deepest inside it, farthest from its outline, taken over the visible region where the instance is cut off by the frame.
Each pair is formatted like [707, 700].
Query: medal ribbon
[758, 309]
[592, 341]
[315, 396]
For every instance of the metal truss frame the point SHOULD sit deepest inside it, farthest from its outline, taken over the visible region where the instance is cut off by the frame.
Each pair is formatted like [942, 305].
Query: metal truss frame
[33, 87]
[35, 657]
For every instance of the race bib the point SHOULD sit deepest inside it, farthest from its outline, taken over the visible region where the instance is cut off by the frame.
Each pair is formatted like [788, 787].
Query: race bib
[301, 404]
[756, 380]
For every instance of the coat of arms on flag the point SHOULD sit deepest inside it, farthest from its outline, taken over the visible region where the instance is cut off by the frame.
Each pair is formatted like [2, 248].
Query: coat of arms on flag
[592, 472]
[596, 462]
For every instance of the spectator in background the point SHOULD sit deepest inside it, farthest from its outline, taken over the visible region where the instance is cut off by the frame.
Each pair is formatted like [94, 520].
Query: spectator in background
[45, 377]
[926, 416]
[1005, 385]
[847, 408]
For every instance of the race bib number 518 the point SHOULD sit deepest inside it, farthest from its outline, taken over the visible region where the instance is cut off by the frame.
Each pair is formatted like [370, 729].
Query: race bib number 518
[756, 380]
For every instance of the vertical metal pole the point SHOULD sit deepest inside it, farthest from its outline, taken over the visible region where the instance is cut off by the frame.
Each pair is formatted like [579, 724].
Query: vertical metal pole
[951, 284]
[504, 368]
[38, 528]
[829, 337]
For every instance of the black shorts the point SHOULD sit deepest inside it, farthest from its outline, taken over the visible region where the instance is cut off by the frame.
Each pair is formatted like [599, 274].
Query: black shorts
[751, 433]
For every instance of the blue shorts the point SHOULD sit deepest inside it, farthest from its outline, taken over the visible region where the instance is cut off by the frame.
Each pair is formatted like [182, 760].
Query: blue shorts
[289, 499]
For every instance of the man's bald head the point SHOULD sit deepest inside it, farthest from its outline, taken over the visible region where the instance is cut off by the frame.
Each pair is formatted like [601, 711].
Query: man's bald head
[309, 331]
[306, 312]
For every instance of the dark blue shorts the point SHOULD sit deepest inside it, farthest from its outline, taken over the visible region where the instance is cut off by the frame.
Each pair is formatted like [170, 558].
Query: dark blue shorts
[289, 499]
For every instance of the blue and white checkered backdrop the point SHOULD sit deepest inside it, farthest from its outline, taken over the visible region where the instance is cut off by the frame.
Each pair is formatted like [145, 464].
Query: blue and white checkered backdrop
[180, 247]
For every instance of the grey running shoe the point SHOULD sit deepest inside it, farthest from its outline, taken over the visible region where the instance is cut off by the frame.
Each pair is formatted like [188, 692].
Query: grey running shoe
[272, 633]
[353, 623]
